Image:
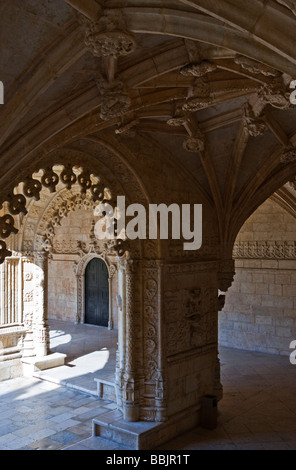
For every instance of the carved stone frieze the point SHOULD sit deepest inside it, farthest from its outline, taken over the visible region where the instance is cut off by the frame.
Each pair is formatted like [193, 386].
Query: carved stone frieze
[277, 249]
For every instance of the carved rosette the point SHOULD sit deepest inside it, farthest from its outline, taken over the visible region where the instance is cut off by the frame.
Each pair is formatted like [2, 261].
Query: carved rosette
[195, 144]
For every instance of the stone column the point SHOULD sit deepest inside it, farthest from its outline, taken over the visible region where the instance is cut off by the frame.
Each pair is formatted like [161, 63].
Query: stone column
[40, 320]
[131, 398]
[120, 353]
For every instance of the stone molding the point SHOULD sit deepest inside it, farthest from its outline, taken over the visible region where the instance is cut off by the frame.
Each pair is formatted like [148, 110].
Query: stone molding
[265, 250]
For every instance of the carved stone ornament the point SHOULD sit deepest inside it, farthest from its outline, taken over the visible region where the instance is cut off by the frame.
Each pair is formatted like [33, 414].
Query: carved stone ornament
[115, 99]
[195, 144]
[255, 67]
[4, 253]
[7, 226]
[199, 97]
[255, 126]
[104, 38]
[198, 69]
[177, 121]
[17, 204]
[275, 94]
[289, 155]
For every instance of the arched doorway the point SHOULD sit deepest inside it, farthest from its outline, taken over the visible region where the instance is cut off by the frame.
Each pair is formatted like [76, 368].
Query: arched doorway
[96, 293]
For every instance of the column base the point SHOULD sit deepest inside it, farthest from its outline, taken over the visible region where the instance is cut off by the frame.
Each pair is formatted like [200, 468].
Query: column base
[143, 435]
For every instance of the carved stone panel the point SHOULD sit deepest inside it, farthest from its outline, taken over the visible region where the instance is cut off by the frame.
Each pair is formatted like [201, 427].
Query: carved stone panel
[190, 305]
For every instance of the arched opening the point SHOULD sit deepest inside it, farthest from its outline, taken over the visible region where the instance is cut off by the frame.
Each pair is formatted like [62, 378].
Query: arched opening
[96, 293]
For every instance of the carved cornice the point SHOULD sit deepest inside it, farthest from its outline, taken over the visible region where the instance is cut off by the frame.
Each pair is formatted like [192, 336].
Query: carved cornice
[265, 250]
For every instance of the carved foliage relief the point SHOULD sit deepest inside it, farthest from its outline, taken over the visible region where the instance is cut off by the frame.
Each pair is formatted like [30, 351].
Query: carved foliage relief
[151, 289]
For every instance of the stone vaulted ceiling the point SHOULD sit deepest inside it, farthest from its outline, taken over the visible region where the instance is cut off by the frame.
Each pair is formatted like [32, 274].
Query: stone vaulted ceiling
[206, 81]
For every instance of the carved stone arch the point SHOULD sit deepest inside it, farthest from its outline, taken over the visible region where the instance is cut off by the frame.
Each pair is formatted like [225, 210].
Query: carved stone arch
[30, 188]
[80, 269]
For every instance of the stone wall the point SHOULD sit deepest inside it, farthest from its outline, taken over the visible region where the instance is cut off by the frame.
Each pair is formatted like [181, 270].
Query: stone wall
[260, 308]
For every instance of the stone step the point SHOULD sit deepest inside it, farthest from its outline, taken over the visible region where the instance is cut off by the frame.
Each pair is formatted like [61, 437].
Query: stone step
[37, 364]
[143, 435]
[106, 389]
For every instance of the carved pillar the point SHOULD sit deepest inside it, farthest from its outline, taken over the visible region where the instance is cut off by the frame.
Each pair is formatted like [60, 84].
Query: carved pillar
[131, 394]
[120, 353]
[11, 292]
[40, 321]
[160, 389]
[80, 298]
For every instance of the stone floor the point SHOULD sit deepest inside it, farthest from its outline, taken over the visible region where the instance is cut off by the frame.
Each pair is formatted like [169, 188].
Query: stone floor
[258, 410]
